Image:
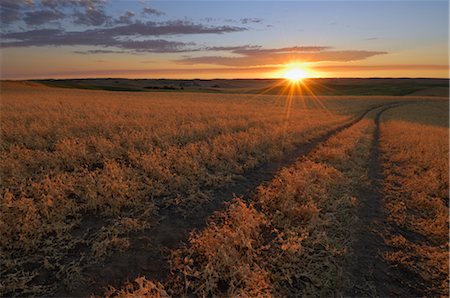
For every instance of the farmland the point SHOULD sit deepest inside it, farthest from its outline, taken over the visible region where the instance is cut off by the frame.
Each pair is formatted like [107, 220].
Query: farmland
[205, 194]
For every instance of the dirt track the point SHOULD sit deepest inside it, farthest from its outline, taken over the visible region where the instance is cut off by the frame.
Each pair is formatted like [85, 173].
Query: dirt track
[151, 248]
[372, 275]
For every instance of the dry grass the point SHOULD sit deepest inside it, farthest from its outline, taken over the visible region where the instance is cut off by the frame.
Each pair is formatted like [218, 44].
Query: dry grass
[83, 171]
[416, 186]
[294, 238]
[75, 163]
[296, 242]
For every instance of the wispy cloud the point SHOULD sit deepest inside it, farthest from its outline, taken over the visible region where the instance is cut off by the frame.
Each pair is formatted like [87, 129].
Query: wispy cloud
[251, 20]
[259, 56]
[345, 68]
[93, 52]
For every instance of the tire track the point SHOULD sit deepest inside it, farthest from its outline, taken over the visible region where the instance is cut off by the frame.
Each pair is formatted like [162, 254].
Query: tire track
[151, 249]
[371, 274]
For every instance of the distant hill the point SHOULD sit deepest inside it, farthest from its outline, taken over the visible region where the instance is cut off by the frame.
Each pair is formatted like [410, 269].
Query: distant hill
[375, 86]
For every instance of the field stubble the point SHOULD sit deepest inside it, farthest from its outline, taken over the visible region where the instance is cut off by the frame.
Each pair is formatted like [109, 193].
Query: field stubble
[414, 146]
[300, 234]
[292, 238]
[81, 170]
[85, 172]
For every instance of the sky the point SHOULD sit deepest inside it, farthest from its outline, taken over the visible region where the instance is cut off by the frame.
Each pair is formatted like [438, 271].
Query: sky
[222, 39]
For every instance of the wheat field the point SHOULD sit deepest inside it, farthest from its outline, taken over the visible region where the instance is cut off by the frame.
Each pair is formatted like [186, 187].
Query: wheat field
[122, 193]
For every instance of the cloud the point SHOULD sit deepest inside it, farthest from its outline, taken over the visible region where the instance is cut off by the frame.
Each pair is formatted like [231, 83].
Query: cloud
[343, 68]
[158, 46]
[116, 36]
[41, 17]
[39, 12]
[11, 10]
[55, 37]
[251, 20]
[209, 19]
[28, 35]
[152, 11]
[85, 4]
[245, 21]
[124, 37]
[234, 49]
[91, 17]
[259, 51]
[89, 52]
[260, 57]
[126, 18]
[82, 12]
[169, 28]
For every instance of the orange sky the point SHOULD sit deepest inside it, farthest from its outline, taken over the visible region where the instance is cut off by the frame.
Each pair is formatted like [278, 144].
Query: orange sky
[166, 39]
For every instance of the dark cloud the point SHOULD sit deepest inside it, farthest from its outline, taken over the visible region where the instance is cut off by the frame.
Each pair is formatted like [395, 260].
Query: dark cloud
[126, 18]
[158, 46]
[259, 57]
[38, 12]
[40, 17]
[152, 11]
[91, 17]
[30, 35]
[54, 37]
[85, 4]
[115, 36]
[11, 10]
[168, 28]
[83, 12]
[57, 4]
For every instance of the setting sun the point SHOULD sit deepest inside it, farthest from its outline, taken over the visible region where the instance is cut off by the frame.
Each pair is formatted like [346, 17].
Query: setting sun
[295, 74]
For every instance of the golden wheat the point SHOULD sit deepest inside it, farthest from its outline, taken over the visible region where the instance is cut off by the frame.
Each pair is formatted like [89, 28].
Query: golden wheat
[415, 153]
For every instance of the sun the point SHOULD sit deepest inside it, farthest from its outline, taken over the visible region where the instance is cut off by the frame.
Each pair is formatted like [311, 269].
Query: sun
[295, 74]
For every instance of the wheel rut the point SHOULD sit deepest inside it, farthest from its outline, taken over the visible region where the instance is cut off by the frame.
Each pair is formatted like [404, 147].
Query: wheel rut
[150, 249]
[371, 274]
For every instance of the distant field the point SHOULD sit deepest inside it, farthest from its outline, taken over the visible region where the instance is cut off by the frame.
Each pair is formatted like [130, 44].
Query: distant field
[386, 87]
[101, 188]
